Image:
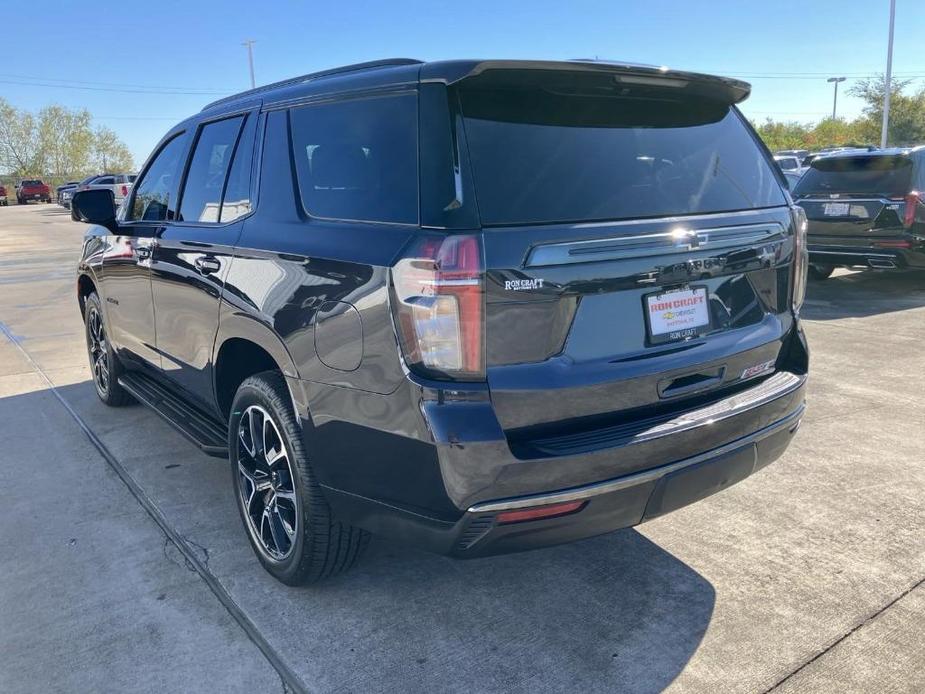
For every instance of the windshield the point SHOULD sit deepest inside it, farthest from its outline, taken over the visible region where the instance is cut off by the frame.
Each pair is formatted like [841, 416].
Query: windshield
[787, 163]
[32, 182]
[540, 155]
[889, 176]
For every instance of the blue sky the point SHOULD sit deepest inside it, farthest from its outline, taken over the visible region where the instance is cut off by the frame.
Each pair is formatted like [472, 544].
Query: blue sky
[82, 53]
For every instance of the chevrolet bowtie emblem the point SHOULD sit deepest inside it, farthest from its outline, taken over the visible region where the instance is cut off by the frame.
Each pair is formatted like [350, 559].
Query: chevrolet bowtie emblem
[685, 238]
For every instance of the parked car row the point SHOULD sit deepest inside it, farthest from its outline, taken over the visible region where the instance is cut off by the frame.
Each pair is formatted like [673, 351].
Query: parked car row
[35, 190]
[119, 183]
[805, 157]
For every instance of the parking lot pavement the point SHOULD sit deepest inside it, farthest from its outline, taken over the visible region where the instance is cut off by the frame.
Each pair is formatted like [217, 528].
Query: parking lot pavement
[805, 577]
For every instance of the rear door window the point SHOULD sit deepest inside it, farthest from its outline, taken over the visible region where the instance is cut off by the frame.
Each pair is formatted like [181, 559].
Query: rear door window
[205, 180]
[543, 155]
[357, 159]
[879, 175]
[236, 201]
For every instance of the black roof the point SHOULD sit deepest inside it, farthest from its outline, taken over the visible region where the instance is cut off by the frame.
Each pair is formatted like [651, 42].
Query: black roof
[888, 152]
[397, 71]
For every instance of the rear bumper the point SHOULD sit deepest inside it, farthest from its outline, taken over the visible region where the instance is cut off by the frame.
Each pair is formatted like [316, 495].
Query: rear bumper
[869, 254]
[460, 455]
[607, 506]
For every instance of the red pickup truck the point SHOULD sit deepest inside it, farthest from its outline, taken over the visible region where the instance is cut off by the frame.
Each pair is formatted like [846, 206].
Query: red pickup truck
[32, 189]
[3, 200]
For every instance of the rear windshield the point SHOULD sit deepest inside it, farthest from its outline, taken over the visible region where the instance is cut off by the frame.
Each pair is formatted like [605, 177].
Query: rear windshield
[787, 164]
[32, 182]
[889, 176]
[542, 156]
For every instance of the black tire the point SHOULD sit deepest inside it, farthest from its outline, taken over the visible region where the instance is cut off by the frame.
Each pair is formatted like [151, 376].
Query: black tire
[104, 364]
[820, 272]
[319, 546]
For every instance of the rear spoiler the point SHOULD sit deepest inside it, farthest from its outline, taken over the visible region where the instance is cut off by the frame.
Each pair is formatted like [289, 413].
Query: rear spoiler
[724, 89]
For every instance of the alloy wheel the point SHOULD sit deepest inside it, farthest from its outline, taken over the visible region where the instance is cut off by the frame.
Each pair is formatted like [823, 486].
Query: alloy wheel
[99, 352]
[266, 484]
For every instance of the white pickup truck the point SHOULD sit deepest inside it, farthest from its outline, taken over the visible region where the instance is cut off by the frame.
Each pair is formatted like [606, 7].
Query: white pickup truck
[119, 184]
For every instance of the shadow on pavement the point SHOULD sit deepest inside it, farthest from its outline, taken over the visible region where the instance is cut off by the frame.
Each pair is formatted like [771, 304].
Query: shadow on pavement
[864, 293]
[612, 613]
[54, 211]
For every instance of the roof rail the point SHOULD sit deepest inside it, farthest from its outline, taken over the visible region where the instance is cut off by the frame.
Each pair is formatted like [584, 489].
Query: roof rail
[387, 62]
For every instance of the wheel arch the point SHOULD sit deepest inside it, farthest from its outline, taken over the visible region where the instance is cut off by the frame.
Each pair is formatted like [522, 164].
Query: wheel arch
[86, 285]
[244, 347]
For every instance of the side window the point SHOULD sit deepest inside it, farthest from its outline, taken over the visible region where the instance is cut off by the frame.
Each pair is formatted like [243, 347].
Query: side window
[205, 180]
[155, 190]
[107, 181]
[357, 159]
[237, 199]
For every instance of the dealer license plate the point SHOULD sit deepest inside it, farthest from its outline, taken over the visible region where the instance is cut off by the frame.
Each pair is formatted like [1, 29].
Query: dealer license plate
[677, 315]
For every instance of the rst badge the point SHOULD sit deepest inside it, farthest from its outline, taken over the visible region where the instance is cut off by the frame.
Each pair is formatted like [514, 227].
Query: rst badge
[758, 369]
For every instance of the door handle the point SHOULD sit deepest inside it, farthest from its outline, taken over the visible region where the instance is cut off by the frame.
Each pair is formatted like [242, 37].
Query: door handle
[207, 265]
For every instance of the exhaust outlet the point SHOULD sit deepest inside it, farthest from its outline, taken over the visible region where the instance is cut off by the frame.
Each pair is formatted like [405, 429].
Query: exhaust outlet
[881, 264]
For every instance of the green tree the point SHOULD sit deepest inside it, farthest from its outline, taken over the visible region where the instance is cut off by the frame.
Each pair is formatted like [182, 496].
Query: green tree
[907, 111]
[65, 140]
[109, 152]
[777, 135]
[834, 132]
[19, 142]
[57, 143]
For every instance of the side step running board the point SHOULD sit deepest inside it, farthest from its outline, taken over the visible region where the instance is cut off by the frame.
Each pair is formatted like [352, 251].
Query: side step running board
[204, 430]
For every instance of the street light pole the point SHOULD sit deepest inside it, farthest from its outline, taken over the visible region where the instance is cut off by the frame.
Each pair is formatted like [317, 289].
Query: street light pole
[889, 82]
[250, 59]
[836, 80]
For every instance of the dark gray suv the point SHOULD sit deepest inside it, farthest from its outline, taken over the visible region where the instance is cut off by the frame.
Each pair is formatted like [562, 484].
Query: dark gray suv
[478, 306]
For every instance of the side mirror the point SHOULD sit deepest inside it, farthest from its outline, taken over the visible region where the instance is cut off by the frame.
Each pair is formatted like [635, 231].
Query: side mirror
[96, 206]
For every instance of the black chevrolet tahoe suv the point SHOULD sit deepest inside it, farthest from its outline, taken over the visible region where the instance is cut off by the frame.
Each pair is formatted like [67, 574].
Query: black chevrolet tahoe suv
[477, 306]
[865, 209]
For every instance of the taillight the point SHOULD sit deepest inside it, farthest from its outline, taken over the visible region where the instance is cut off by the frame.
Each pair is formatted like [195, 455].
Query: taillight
[912, 201]
[124, 191]
[440, 307]
[800, 256]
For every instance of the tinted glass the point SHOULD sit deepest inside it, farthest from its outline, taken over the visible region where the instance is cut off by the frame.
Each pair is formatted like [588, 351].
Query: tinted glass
[32, 182]
[358, 159]
[877, 175]
[107, 181]
[545, 156]
[787, 164]
[202, 193]
[154, 194]
[237, 200]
